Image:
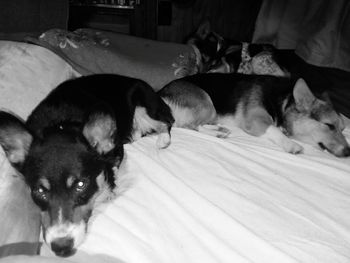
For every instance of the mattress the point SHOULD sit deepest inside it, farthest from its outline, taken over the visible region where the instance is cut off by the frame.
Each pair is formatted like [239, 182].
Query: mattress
[205, 199]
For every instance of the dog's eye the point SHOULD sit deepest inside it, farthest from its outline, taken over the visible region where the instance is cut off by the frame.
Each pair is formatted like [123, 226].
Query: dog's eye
[40, 192]
[81, 185]
[330, 126]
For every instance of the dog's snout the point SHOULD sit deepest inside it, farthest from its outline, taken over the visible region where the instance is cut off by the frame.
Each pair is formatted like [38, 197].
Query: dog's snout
[346, 152]
[63, 247]
[342, 152]
[337, 150]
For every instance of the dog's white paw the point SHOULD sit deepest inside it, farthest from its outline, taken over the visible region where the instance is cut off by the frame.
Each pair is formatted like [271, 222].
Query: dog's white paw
[163, 140]
[292, 147]
[275, 135]
[214, 130]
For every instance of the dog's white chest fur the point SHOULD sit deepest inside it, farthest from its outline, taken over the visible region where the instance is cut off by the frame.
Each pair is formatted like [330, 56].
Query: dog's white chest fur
[144, 124]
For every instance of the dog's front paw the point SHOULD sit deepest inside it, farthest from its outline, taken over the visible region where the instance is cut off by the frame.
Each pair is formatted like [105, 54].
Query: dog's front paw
[292, 147]
[214, 130]
[163, 140]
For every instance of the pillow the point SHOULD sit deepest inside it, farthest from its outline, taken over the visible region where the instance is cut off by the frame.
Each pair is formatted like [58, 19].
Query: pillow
[27, 74]
[20, 217]
[90, 51]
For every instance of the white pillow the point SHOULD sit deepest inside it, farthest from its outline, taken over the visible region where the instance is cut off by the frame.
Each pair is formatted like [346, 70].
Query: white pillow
[27, 74]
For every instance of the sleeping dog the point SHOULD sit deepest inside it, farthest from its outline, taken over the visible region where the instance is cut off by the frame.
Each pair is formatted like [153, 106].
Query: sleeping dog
[72, 143]
[216, 54]
[273, 107]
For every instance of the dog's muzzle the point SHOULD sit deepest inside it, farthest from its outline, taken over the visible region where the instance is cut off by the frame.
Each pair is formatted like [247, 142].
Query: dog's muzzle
[63, 247]
[340, 152]
[64, 239]
[346, 152]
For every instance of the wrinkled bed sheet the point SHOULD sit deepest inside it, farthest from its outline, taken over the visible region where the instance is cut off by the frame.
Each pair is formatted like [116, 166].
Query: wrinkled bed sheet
[239, 199]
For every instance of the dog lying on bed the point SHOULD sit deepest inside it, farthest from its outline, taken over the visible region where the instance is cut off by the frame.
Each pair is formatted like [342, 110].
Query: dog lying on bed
[273, 107]
[72, 143]
[217, 54]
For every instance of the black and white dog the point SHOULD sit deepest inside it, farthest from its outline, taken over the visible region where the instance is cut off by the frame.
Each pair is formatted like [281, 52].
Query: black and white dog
[72, 144]
[216, 54]
[276, 108]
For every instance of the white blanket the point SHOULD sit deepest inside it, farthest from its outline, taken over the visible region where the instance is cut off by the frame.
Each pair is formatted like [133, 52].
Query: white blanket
[241, 199]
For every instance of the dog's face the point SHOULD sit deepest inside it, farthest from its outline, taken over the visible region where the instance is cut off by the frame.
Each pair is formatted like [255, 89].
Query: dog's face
[315, 122]
[209, 45]
[66, 176]
[69, 173]
[222, 55]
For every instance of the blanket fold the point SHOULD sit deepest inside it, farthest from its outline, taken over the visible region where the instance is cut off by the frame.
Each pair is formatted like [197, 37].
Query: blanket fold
[90, 51]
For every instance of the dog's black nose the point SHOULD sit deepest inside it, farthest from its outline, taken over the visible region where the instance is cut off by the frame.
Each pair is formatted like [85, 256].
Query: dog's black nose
[63, 247]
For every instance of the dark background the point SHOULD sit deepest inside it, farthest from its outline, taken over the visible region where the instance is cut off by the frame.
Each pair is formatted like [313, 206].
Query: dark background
[165, 20]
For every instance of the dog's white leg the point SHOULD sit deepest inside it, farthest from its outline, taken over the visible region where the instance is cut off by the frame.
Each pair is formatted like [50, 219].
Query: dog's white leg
[275, 135]
[214, 130]
[163, 140]
[144, 124]
[258, 122]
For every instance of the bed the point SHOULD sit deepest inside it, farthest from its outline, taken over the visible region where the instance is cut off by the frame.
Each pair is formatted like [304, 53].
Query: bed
[203, 199]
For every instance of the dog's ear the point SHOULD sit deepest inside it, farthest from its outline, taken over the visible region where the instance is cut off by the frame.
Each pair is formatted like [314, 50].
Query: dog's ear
[14, 138]
[203, 29]
[100, 130]
[303, 96]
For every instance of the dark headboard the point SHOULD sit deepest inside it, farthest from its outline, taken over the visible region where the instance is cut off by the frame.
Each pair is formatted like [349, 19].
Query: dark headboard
[32, 15]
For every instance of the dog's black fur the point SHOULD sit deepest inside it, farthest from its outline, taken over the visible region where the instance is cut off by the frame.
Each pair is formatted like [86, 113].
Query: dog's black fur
[71, 144]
